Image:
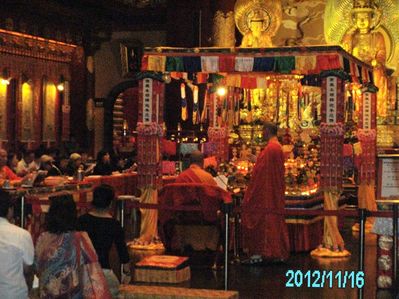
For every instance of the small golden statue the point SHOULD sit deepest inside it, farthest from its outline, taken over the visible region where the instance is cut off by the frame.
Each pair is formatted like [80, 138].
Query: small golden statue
[369, 46]
[258, 21]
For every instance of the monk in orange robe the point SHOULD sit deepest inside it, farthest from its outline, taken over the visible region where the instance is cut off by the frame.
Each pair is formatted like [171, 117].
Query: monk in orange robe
[208, 237]
[266, 235]
[195, 173]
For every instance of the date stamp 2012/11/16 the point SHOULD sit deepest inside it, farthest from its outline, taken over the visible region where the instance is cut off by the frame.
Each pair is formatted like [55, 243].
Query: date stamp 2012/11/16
[324, 279]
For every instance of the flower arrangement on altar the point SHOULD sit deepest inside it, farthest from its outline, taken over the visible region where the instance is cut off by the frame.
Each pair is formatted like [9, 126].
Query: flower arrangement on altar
[302, 165]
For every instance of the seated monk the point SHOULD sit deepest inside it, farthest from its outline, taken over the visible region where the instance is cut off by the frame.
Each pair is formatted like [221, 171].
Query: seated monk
[195, 173]
[207, 237]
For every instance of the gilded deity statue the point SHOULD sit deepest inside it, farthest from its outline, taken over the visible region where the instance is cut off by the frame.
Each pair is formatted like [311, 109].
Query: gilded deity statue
[258, 21]
[257, 36]
[369, 46]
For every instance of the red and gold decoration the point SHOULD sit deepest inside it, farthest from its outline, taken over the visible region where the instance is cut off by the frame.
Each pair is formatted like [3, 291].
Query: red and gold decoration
[149, 164]
[367, 136]
[31, 63]
[219, 137]
[282, 86]
[331, 163]
[149, 154]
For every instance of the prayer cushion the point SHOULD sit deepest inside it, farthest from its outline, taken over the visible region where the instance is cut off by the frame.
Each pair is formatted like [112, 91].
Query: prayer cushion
[162, 269]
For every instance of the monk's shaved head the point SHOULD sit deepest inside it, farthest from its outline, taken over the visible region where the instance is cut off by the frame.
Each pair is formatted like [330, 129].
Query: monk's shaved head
[269, 130]
[196, 157]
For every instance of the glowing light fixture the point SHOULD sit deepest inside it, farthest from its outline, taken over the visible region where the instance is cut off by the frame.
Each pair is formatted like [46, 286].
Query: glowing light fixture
[221, 91]
[4, 81]
[61, 84]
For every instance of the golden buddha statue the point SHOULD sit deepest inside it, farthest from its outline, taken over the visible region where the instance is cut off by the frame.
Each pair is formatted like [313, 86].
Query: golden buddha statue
[258, 21]
[257, 37]
[369, 46]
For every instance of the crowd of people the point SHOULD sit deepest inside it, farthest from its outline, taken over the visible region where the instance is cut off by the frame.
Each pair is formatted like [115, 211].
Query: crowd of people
[71, 258]
[15, 166]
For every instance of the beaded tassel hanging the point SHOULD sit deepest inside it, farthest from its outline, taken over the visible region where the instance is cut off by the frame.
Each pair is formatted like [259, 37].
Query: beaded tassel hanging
[184, 115]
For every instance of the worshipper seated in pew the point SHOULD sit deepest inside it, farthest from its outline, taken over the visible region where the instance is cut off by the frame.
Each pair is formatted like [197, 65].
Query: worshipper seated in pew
[62, 163]
[104, 231]
[12, 160]
[16, 253]
[103, 164]
[26, 164]
[87, 162]
[47, 164]
[74, 164]
[7, 177]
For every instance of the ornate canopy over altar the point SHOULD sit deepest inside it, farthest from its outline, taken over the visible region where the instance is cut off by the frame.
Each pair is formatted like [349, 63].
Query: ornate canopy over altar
[278, 60]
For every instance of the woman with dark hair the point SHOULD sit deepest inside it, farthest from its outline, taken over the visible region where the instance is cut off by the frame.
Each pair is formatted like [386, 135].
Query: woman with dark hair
[103, 164]
[104, 231]
[65, 260]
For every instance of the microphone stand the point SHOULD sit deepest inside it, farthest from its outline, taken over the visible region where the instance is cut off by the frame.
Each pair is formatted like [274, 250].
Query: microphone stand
[236, 220]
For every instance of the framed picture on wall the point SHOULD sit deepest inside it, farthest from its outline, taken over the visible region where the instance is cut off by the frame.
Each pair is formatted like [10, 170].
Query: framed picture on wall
[131, 54]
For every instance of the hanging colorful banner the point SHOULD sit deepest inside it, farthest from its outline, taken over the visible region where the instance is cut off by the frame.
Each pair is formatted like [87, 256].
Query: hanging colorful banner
[311, 62]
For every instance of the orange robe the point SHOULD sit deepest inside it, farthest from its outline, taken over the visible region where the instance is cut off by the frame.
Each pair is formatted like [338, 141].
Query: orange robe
[266, 234]
[195, 174]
